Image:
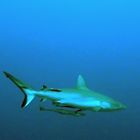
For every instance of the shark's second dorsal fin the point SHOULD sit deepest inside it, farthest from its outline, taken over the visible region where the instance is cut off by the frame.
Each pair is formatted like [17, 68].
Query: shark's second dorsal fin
[44, 87]
[81, 84]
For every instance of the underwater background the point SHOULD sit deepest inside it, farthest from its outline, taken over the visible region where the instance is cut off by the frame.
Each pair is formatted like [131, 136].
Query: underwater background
[51, 42]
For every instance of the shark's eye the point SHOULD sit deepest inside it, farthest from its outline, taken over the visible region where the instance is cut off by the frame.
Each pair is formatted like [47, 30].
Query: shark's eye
[55, 90]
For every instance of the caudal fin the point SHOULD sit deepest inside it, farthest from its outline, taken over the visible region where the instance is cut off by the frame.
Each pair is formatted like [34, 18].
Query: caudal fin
[27, 90]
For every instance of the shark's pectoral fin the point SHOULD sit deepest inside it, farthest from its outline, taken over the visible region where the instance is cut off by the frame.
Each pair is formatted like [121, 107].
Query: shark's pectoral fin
[81, 84]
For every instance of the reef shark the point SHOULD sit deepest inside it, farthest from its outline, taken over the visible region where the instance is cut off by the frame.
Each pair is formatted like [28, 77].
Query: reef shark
[80, 98]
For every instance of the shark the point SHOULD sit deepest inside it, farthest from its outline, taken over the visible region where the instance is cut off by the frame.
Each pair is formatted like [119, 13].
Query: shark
[80, 98]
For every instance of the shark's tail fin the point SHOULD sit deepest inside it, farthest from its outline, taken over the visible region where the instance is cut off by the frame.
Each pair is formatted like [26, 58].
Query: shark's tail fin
[27, 90]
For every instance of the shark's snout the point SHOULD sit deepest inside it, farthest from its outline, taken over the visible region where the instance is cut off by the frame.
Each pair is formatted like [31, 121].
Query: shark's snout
[123, 106]
[118, 106]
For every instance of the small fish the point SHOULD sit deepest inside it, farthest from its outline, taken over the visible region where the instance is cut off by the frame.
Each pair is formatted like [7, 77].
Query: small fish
[63, 111]
[80, 97]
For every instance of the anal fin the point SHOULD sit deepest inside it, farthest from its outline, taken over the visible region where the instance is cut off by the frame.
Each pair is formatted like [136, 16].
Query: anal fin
[42, 100]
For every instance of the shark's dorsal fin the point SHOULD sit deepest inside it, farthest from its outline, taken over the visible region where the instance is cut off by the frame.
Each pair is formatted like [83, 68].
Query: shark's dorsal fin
[81, 84]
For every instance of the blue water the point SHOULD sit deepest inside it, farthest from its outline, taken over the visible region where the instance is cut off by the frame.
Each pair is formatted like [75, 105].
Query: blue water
[51, 42]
